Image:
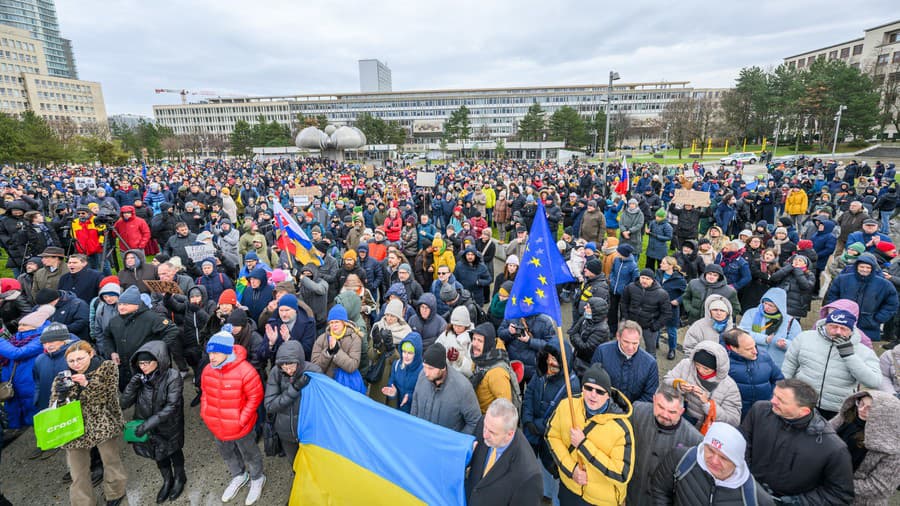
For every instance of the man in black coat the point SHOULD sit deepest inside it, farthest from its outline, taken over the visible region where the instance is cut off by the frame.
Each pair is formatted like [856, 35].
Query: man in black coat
[69, 310]
[503, 469]
[81, 279]
[794, 452]
[647, 303]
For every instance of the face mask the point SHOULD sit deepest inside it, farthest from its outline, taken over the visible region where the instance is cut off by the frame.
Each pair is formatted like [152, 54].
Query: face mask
[588, 316]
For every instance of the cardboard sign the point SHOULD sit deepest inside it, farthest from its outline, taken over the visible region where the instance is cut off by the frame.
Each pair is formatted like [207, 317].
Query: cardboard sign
[426, 179]
[199, 252]
[85, 183]
[159, 286]
[370, 172]
[692, 197]
[309, 191]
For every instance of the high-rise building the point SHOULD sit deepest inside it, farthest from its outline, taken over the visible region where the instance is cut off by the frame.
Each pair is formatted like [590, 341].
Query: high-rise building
[26, 84]
[374, 76]
[38, 17]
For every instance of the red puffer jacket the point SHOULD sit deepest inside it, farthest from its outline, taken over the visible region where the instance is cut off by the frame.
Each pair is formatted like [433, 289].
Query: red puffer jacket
[135, 231]
[230, 397]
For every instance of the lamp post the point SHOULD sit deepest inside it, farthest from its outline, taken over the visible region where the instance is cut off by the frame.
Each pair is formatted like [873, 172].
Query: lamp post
[837, 127]
[777, 131]
[613, 76]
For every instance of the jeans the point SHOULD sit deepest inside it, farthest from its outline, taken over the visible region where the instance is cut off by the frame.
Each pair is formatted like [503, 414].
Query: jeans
[672, 327]
[551, 485]
[885, 222]
[651, 340]
[242, 455]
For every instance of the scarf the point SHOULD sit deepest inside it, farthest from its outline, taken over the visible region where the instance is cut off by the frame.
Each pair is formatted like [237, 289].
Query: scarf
[765, 323]
[720, 326]
[730, 256]
[22, 338]
[340, 335]
[487, 361]
[589, 413]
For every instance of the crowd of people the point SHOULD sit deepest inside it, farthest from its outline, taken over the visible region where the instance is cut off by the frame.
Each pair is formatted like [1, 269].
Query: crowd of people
[125, 289]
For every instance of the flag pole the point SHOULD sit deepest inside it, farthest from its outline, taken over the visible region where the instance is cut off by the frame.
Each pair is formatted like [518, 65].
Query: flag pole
[288, 251]
[565, 370]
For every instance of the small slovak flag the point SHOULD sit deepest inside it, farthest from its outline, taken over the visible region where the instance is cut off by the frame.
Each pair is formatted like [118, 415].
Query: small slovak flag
[624, 179]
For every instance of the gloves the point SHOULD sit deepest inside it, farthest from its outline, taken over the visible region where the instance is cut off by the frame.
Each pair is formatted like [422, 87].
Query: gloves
[299, 381]
[845, 348]
[140, 430]
[452, 354]
[532, 428]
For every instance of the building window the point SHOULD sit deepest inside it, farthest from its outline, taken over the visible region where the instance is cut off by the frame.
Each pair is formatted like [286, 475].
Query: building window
[801, 63]
[882, 59]
[896, 58]
[791, 64]
[845, 53]
[893, 37]
[832, 55]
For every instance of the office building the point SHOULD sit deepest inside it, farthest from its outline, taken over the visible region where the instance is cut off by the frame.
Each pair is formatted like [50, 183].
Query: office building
[26, 84]
[374, 76]
[494, 113]
[38, 17]
[876, 50]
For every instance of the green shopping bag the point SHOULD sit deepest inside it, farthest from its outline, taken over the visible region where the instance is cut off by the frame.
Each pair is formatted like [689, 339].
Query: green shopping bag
[54, 427]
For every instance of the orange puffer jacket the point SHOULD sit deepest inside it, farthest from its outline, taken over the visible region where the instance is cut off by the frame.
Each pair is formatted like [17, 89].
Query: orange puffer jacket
[230, 397]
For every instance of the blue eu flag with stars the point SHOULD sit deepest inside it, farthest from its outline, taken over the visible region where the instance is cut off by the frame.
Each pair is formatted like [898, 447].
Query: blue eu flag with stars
[541, 268]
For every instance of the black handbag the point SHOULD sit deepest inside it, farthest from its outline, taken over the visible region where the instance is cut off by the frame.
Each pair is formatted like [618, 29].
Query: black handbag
[271, 440]
[7, 391]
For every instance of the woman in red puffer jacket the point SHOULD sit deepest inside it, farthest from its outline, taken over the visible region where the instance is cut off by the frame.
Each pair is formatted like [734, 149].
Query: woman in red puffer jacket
[393, 225]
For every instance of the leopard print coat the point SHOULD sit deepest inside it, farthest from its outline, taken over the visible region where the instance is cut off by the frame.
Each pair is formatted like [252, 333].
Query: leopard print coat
[103, 418]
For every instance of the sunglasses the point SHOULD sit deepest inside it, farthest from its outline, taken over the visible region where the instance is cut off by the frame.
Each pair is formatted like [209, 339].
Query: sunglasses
[598, 390]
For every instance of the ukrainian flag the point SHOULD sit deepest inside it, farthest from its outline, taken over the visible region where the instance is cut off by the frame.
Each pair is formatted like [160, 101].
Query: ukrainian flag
[292, 238]
[356, 451]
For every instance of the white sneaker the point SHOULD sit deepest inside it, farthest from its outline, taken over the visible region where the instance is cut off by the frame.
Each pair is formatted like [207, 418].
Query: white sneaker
[237, 483]
[256, 487]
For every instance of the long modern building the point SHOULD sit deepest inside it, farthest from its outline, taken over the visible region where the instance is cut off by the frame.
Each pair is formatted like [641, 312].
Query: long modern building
[878, 48]
[26, 84]
[38, 17]
[494, 112]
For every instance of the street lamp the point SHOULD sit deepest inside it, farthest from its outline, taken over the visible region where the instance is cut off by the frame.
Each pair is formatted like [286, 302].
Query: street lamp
[777, 132]
[613, 76]
[837, 127]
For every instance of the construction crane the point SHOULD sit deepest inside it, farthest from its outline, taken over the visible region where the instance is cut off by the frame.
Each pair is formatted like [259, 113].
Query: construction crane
[185, 93]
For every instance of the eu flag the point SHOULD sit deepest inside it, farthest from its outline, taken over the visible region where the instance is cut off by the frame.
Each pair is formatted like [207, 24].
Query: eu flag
[541, 268]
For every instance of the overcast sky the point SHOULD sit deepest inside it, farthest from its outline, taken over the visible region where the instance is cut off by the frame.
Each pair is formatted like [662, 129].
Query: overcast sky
[268, 47]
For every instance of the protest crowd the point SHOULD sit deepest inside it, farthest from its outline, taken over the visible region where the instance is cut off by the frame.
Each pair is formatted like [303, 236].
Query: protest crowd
[143, 292]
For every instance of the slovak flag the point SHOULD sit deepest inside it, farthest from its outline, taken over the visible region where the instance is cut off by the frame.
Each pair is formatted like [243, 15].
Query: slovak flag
[624, 179]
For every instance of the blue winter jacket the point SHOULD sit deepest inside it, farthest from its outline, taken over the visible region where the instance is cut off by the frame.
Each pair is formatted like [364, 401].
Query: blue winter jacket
[612, 214]
[624, 271]
[542, 331]
[543, 394]
[23, 359]
[256, 300]
[876, 296]
[861, 236]
[737, 272]
[824, 243]
[755, 378]
[788, 329]
[404, 378]
[636, 377]
[46, 367]
[724, 215]
[658, 243]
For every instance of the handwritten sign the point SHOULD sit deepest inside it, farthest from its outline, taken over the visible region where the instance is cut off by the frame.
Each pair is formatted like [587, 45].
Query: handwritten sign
[199, 252]
[160, 286]
[309, 191]
[692, 197]
[370, 171]
[85, 183]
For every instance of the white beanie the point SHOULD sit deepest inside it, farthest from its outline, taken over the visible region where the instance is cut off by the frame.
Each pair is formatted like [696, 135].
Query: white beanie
[512, 259]
[460, 316]
[728, 440]
[394, 308]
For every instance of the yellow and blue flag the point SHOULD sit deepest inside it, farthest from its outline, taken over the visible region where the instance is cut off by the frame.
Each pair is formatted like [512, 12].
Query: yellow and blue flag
[354, 450]
[541, 268]
[292, 238]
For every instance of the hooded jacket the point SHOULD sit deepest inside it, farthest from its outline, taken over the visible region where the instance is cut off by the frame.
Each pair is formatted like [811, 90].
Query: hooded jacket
[876, 479]
[195, 317]
[134, 231]
[824, 243]
[755, 323]
[429, 328]
[142, 271]
[282, 399]
[703, 330]
[404, 377]
[74, 313]
[814, 358]
[607, 451]
[589, 333]
[256, 299]
[126, 334]
[158, 400]
[230, 397]
[473, 276]
[492, 376]
[624, 271]
[314, 291]
[721, 388]
[698, 290]
[542, 396]
[659, 236]
[876, 296]
[215, 283]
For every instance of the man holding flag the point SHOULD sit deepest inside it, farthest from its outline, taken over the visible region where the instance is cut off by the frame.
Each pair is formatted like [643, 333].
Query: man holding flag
[292, 238]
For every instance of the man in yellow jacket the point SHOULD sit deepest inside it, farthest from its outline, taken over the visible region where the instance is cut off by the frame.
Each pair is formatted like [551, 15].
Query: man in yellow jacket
[796, 203]
[594, 452]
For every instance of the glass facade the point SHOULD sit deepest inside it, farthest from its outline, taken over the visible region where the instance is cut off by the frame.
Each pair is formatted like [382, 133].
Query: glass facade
[39, 18]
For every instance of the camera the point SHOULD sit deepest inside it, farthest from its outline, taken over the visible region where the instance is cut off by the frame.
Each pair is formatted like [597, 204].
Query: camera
[106, 218]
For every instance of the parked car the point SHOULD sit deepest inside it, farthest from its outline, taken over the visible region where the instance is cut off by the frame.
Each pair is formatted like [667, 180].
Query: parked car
[787, 160]
[734, 158]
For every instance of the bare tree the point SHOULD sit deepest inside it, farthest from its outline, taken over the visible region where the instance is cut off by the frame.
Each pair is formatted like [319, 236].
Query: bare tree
[170, 146]
[679, 115]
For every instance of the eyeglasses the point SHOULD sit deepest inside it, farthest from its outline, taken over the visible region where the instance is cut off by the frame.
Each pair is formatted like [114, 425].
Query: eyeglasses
[75, 360]
[142, 363]
[442, 273]
[598, 390]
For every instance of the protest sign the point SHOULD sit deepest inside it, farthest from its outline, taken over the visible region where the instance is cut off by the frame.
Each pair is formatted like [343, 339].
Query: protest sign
[85, 183]
[425, 179]
[199, 252]
[159, 286]
[692, 197]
